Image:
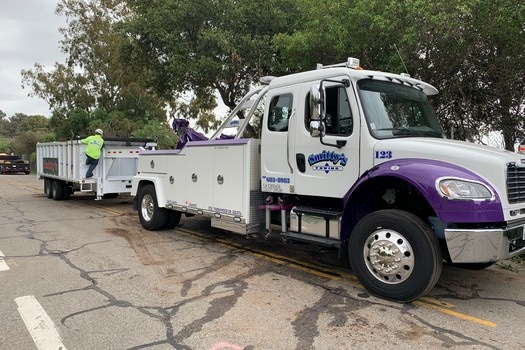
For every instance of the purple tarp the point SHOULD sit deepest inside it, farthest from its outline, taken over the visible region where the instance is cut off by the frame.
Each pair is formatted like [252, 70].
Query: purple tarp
[182, 128]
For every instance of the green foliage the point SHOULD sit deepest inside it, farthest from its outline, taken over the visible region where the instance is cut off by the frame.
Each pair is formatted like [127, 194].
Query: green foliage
[208, 45]
[134, 58]
[82, 123]
[160, 132]
[71, 125]
[99, 73]
[114, 124]
[25, 142]
[455, 45]
[20, 133]
[201, 108]
[512, 264]
[6, 145]
[20, 122]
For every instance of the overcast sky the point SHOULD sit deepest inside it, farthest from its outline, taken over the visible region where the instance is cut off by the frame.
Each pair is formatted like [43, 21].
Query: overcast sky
[28, 35]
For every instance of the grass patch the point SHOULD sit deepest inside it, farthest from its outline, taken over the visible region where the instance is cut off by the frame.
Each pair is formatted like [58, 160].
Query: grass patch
[519, 259]
[512, 264]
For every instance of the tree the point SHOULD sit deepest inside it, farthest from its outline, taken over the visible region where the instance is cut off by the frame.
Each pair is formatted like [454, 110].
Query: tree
[19, 123]
[162, 133]
[6, 145]
[207, 46]
[99, 73]
[459, 48]
[455, 45]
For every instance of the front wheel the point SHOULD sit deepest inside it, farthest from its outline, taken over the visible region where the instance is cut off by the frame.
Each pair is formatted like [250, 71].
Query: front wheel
[151, 216]
[395, 255]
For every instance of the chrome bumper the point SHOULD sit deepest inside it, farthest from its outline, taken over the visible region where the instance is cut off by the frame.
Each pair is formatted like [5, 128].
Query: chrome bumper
[479, 246]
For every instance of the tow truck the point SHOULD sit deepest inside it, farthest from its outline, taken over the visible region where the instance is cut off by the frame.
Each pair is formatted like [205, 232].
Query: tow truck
[351, 159]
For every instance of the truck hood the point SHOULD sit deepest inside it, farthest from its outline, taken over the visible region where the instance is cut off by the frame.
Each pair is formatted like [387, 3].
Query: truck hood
[488, 162]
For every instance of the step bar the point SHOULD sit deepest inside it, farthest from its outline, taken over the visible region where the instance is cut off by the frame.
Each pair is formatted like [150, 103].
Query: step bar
[314, 225]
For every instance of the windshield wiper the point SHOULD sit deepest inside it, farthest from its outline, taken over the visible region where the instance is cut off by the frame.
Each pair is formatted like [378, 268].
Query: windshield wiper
[405, 131]
[398, 131]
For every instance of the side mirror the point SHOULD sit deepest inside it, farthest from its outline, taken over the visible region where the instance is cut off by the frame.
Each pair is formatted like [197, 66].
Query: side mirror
[315, 105]
[315, 130]
[315, 102]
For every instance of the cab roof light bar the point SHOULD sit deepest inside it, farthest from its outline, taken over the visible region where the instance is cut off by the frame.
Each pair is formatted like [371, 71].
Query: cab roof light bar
[351, 62]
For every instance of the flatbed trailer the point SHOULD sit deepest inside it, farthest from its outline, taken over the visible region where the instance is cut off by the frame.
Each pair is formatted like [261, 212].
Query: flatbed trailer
[62, 166]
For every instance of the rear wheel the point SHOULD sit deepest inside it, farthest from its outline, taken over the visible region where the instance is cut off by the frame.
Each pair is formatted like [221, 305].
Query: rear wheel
[395, 255]
[151, 216]
[66, 191]
[57, 190]
[173, 219]
[47, 187]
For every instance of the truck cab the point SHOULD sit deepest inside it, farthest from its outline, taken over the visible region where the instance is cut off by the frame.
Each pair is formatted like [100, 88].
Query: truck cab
[351, 159]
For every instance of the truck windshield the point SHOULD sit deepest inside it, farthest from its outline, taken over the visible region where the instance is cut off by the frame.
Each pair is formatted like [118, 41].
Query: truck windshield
[393, 110]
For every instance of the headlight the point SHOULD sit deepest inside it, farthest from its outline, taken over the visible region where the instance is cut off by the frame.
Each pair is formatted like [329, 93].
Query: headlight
[462, 189]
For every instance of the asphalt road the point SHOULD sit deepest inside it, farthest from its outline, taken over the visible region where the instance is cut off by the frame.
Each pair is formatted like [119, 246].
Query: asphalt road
[83, 274]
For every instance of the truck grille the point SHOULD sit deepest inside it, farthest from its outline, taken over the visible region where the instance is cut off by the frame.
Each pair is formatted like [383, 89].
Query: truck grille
[515, 183]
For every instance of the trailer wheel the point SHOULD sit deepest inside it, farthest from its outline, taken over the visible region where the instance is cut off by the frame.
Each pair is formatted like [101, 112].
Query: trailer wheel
[151, 216]
[47, 188]
[57, 190]
[395, 255]
[66, 190]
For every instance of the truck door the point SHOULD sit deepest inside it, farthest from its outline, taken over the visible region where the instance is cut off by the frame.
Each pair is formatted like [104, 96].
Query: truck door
[328, 169]
[277, 142]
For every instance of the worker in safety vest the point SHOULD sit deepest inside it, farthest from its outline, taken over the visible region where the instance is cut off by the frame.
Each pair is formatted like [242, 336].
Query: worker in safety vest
[94, 145]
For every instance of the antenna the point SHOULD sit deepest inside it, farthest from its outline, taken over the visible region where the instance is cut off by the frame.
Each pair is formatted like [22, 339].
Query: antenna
[399, 54]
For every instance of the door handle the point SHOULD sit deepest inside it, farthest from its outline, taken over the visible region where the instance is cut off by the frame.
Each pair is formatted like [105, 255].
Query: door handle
[300, 159]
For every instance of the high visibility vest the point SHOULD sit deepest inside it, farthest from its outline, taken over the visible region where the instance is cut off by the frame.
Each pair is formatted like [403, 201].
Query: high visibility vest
[94, 144]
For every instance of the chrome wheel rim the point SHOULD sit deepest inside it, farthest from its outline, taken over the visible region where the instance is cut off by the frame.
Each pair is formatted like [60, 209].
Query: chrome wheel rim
[389, 256]
[147, 207]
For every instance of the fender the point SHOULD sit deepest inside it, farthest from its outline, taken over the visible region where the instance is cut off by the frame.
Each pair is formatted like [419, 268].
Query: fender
[423, 174]
[138, 180]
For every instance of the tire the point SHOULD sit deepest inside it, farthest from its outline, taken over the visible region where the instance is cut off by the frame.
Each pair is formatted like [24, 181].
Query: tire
[47, 187]
[395, 255]
[173, 219]
[66, 191]
[151, 217]
[57, 190]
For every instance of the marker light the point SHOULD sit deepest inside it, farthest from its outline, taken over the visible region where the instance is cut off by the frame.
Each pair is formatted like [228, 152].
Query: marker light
[352, 62]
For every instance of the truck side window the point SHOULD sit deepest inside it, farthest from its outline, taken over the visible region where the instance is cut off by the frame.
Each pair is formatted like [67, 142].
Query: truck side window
[338, 113]
[338, 118]
[280, 110]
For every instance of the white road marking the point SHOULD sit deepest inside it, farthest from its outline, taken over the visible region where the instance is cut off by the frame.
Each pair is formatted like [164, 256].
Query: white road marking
[3, 265]
[38, 323]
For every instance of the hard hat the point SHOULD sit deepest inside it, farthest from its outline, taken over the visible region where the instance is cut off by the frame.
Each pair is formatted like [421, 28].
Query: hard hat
[99, 131]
